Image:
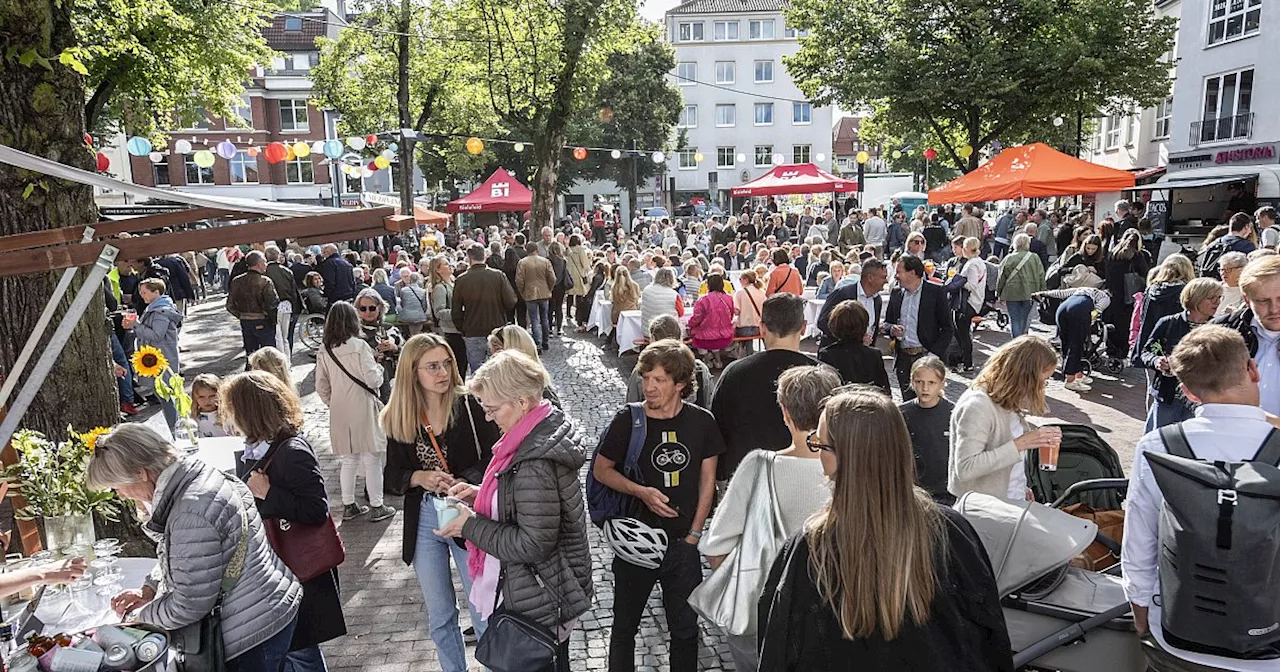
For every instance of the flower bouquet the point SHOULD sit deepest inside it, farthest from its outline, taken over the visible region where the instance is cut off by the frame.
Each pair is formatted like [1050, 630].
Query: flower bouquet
[51, 477]
[149, 362]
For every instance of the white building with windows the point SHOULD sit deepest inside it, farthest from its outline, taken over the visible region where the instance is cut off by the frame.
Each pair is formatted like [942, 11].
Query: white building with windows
[742, 112]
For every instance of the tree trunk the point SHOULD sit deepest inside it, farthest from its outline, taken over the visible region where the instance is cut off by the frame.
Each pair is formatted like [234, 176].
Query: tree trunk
[402, 105]
[41, 112]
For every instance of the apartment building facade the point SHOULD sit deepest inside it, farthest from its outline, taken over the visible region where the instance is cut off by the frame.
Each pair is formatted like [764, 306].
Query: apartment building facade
[742, 111]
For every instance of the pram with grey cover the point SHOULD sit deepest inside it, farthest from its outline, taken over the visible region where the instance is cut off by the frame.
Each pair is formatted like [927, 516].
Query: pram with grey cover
[1059, 617]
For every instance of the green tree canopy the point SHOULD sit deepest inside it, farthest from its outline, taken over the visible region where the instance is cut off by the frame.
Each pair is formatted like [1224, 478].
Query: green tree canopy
[973, 71]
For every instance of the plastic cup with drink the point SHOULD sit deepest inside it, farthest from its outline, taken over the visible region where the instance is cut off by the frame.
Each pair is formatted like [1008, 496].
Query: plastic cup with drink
[1049, 453]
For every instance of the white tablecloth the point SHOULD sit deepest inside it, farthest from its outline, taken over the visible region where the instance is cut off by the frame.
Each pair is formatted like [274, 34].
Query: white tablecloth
[601, 313]
[628, 330]
[58, 616]
[812, 308]
[219, 451]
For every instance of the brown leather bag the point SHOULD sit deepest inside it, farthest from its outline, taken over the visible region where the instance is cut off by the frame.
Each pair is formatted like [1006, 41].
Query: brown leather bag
[1097, 556]
[308, 550]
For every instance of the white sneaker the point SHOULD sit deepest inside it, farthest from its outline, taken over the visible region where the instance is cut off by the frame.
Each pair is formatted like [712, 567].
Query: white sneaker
[1087, 380]
[1078, 386]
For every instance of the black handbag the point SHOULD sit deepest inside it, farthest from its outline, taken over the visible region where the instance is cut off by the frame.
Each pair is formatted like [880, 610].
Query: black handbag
[514, 642]
[199, 647]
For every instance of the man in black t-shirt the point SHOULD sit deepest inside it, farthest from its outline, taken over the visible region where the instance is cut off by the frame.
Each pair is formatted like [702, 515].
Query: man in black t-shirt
[745, 405]
[678, 466]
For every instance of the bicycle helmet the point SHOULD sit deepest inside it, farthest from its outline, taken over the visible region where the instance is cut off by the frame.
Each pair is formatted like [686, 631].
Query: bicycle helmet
[635, 542]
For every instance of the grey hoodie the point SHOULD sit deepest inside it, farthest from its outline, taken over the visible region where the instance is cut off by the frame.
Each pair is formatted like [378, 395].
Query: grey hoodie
[158, 327]
[541, 523]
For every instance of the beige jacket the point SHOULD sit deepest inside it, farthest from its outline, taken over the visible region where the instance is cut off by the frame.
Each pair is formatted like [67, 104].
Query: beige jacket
[353, 410]
[535, 278]
[982, 450]
[578, 262]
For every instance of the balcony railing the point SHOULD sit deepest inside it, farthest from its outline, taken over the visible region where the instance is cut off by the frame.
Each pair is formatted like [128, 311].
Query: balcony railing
[1224, 128]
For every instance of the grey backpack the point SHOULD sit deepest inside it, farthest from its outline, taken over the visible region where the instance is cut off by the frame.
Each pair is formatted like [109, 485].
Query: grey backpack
[1219, 549]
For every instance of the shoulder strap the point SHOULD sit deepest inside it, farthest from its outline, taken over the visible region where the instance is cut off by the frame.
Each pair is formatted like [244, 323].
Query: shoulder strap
[1175, 441]
[1270, 450]
[236, 567]
[357, 381]
[639, 429]
[472, 419]
[752, 299]
[1026, 256]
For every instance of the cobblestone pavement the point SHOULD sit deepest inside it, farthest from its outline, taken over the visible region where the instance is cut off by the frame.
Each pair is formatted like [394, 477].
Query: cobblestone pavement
[382, 602]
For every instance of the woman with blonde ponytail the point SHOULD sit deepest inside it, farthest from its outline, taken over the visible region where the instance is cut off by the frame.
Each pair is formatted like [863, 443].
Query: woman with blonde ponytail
[882, 577]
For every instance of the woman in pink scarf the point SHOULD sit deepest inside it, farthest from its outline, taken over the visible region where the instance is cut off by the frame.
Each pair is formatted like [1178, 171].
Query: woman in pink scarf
[527, 534]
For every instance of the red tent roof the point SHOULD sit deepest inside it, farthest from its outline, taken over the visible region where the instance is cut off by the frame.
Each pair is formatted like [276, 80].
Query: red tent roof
[797, 178]
[500, 193]
[1031, 170]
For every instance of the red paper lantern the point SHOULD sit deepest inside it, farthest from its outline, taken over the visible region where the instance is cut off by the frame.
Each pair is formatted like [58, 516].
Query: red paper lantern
[103, 162]
[88, 139]
[373, 166]
[276, 152]
[371, 139]
[930, 153]
[580, 153]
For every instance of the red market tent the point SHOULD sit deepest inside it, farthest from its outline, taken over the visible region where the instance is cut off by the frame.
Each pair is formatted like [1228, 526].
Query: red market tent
[500, 193]
[797, 178]
[1030, 171]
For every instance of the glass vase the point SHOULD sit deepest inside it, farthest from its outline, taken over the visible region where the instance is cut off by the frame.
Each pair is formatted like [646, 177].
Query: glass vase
[186, 435]
[63, 532]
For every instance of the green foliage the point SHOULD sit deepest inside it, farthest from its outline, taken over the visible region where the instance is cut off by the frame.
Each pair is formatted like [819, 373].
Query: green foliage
[642, 106]
[163, 64]
[51, 477]
[973, 71]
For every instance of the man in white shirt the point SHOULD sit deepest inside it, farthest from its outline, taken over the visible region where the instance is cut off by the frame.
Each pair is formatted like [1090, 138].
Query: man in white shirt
[1216, 371]
[1260, 324]
[875, 228]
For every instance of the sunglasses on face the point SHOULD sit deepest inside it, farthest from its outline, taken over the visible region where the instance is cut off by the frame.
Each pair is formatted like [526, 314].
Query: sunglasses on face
[368, 309]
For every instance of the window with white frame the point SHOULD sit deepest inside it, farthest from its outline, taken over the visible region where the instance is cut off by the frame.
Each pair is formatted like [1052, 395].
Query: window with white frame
[299, 171]
[726, 115]
[687, 73]
[279, 64]
[352, 184]
[792, 32]
[691, 32]
[687, 158]
[293, 115]
[801, 153]
[301, 61]
[1111, 131]
[726, 72]
[1164, 118]
[726, 30]
[764, 72]
[764, 155]
[197, 174]
[243, 114]
[764, 114]
[244, 168]
[1131, 128]
[688, 117]
[1228, 99]
[160, 174]
[801, 113]
[761, 29]
[725, 157]
[1230, 19]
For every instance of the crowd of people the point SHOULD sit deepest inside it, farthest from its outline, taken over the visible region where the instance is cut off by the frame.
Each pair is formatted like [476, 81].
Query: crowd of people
[798, 467]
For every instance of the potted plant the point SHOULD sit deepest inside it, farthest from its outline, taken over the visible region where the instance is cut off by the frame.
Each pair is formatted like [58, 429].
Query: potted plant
[51, 478]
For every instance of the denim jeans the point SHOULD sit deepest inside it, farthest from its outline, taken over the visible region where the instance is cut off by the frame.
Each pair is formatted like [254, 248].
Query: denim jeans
[540, 321]
[268, 656]
[257, 334]
[123, 383]
[1166, 413]
[679, 574]
[431, 564]
[477, 351]
[1019, 317]
[305, 660]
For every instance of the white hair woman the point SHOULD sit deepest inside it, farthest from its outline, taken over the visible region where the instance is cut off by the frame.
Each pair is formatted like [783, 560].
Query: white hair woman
[206, 526]
[971, 283]
[383, 338]
[529, 520]
[415, 306]
[1021, 275]
[660, 298]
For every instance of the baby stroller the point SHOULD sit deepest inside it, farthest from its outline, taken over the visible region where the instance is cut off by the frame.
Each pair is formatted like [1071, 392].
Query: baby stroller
[1096, 356]
[991, 311]
[1059, 617]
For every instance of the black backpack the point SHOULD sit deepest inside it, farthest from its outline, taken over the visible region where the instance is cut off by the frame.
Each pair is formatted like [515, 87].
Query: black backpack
[1210, 255]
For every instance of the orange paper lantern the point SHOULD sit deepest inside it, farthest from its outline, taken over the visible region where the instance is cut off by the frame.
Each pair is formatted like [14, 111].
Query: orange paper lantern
[252, 151]
[580, 153]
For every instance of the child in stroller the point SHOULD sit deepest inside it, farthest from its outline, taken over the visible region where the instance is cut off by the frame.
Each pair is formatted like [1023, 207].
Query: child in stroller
[990, 304]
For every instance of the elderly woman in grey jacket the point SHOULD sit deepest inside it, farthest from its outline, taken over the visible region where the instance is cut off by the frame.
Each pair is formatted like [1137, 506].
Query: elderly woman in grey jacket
[415, 306]
[529, 522]
[206, 527]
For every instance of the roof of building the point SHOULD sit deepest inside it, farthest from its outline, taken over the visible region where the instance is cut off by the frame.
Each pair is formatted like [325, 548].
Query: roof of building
[728, 6]
[845, 135]
[309, 26]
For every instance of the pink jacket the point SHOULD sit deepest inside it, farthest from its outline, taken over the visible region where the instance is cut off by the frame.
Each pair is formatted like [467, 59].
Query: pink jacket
[712, 319]
[1135, 323]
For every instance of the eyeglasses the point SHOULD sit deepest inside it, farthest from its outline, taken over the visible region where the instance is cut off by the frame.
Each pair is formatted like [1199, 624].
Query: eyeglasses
[490, 410]
[437, 367]
[811, 441]
[368, 309]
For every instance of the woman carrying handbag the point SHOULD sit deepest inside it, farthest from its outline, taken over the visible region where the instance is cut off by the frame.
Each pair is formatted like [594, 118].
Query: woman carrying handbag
[768, 500]
[281, 471]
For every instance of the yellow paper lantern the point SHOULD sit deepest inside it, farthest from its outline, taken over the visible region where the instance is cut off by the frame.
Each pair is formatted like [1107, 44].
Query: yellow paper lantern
[475, 145]
[301, 150]
[863, 157]
[203, 158]
[288, 153]
[965, 152]
[381, 162]
[897, 154]
[698, 157]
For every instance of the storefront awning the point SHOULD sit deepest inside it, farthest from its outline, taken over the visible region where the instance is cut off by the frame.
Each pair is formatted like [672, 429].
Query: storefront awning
[1202, 182]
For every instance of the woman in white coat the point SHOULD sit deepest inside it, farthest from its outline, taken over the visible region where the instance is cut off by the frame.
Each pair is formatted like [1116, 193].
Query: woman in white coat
[347, 379]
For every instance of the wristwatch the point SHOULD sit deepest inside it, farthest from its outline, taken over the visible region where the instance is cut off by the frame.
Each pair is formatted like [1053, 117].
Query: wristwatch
[695, 534]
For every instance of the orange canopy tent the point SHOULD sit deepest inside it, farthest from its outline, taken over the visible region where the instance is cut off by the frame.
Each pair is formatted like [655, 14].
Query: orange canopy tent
[425, 216]
[1030, 171]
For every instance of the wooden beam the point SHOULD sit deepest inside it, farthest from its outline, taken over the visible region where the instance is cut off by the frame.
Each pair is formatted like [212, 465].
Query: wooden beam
[400, 223]
[352, 234]
[327, 227]
[71, 234]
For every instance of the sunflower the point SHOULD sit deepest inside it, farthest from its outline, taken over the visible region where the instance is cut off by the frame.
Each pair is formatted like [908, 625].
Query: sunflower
[149, 361]
[90, 438]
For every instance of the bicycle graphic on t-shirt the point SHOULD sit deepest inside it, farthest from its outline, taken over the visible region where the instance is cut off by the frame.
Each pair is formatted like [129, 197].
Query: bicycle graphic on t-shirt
[670, 457]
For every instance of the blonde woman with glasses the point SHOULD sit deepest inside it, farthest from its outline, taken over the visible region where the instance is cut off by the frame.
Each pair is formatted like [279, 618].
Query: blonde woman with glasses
[437, 437]
[882, 577]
